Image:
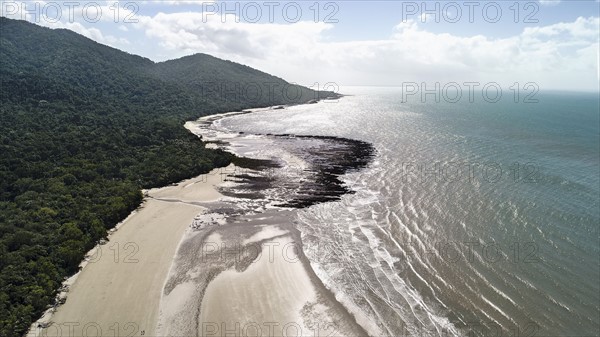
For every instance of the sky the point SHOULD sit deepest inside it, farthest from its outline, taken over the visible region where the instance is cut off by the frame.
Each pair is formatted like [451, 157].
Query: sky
[553, 44]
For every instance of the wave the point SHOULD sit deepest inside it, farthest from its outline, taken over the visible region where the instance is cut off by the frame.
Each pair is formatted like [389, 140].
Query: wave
[316, 175]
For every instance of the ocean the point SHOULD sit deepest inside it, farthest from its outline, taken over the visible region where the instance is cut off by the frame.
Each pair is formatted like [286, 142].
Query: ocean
[471, 219]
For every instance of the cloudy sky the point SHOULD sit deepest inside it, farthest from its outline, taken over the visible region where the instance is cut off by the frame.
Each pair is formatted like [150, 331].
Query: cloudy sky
[554, 44]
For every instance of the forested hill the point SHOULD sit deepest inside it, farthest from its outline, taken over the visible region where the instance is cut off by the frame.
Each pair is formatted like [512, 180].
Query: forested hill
[231, 83]
[83, 127]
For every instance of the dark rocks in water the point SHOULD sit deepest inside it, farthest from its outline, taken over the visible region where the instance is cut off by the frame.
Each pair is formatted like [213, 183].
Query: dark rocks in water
[335, 96]
[313, 101]
[216, 142]
[246, 195]
[328, 158]
[248, 186]
[337, 157]
[279, 107]
[254, 164]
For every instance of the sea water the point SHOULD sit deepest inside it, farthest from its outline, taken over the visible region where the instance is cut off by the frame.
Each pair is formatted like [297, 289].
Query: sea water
[473, 218]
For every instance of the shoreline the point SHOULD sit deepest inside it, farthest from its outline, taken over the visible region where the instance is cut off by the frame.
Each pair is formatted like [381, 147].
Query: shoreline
[43, 324]
[113, 298]
[117, 290]
[245, 292]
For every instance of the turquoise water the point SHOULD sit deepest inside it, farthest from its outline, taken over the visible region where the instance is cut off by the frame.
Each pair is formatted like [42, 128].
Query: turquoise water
[477, 218]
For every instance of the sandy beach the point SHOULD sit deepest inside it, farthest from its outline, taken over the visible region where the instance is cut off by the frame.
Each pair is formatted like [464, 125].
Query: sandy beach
[156, 276]
[193, 262]
[118, 291]
[267, 299]
[249, 278]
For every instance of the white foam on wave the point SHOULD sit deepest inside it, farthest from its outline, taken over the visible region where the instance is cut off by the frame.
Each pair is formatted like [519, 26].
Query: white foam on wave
[389, 287]
[371, 261]
[498, 310]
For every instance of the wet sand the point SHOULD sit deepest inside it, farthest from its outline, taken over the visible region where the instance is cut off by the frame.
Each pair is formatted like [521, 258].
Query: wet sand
[249, 278]
[188, 264]
[119, 289]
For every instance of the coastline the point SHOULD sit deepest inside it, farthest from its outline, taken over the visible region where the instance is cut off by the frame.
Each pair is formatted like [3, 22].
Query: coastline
[252, 274]
[117, 291]
[128, 290]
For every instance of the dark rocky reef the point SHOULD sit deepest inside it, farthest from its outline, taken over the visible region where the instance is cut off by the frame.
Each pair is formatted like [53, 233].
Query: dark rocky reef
[333, 158]
[327, 158]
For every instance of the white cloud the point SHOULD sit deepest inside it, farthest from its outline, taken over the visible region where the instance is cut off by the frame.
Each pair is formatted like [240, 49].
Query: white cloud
[561, 54]
[73, 17]
[179, 2]
[194, 32]
[187, 2]
[92, 33]
[549, 2]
